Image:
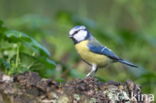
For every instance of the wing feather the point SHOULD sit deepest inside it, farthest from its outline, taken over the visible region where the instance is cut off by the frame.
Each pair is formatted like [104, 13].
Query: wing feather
[96, 47]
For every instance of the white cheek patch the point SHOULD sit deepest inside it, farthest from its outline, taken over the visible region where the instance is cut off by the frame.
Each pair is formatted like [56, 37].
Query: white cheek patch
[71, 32]
[81, 35]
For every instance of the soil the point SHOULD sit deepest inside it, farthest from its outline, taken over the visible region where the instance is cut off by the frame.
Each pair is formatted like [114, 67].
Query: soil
[29, 87]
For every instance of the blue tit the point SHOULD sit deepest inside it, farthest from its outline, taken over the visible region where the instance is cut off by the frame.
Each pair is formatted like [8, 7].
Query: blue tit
[91, 51]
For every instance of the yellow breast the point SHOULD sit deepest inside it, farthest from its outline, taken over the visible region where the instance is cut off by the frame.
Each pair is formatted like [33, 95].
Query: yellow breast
[90, 57]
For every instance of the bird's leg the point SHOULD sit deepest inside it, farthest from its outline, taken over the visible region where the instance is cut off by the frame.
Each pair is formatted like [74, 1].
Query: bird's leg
[93, 70]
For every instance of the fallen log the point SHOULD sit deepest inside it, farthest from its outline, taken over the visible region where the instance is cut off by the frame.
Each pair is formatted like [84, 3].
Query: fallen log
[29, 87]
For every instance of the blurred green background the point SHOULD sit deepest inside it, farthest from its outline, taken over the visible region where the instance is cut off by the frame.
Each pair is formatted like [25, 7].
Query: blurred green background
[128, 27]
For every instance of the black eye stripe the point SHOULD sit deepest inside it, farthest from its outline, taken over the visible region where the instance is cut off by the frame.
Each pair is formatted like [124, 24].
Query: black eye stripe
[77, 31]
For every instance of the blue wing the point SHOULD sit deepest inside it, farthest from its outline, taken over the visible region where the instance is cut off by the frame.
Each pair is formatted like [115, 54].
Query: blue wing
[96, 47]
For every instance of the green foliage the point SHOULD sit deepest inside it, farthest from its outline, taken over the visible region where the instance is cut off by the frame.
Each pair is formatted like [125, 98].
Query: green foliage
[128, 44]
[126, 27]
[20, 53]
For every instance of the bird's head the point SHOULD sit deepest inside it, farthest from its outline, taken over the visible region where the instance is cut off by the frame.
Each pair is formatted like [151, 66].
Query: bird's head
[79, 33]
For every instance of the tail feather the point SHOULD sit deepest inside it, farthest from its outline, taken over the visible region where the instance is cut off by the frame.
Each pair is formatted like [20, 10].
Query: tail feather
[127, 63]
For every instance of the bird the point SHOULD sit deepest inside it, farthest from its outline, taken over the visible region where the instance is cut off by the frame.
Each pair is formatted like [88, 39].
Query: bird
[92, 51]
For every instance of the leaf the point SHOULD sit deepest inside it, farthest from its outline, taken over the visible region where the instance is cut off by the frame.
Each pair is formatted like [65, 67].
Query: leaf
[22, 48]
[4, 64]
[45, 67]
[33, 63]
[27, 41]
